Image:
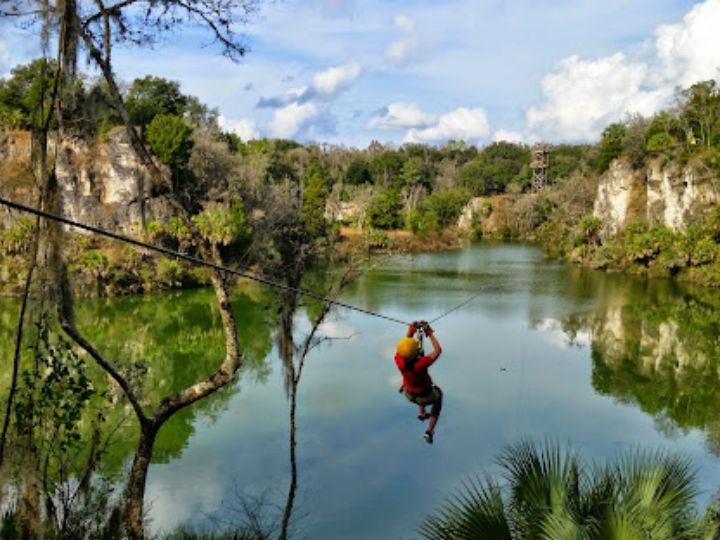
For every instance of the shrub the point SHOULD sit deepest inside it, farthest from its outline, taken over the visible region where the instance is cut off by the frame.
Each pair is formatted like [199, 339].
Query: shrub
[384, 210]
[439, 210]
[170, 139]
[660, 142]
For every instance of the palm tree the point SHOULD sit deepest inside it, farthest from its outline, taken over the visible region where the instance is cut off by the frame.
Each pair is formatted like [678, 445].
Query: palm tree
[547, 493]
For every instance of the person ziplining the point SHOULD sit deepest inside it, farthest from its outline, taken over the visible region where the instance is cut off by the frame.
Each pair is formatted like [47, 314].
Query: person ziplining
[417, 385]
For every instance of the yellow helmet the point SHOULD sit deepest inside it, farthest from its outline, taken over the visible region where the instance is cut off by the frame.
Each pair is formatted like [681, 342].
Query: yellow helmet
[407, 347]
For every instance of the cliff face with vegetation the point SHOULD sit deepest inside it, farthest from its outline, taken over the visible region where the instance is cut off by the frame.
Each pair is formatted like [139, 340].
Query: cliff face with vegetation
[661, 193]
[100, 181]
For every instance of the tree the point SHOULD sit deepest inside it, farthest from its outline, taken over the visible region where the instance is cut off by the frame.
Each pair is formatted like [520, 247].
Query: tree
[170, 139]
[551, 494]
[358, 173]
[25, 93]
[495, 167]
[152, 96]
[416, 173]
[384, 210]
[610, 146]
[440, 210]
[99, 28]
[701, 112]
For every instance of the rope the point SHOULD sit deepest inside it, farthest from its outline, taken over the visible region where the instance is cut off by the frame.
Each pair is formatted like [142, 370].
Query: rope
[190, 258]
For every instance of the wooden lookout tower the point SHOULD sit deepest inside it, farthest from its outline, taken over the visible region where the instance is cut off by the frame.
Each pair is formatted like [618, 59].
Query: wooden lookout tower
[539, 164]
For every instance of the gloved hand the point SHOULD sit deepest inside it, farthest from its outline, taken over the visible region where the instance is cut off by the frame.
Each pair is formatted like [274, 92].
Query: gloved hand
[426, 328]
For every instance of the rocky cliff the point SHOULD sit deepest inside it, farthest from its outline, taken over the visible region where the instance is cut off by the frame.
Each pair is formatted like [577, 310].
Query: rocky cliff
[660, 193]
[100, 181]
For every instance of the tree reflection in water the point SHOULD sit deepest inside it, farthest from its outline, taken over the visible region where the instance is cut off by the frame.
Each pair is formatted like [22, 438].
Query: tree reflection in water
[162, 342]
[655, 345]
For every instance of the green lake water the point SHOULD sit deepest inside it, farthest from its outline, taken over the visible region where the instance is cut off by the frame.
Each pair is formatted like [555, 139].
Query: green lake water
[605, 362]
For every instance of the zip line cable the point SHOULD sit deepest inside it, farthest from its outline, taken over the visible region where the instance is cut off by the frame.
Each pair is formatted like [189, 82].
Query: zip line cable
[195, 260]
[449, 311]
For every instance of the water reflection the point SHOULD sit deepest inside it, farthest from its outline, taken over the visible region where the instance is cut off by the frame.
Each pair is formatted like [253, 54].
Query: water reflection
[655, 346]
[546, 350]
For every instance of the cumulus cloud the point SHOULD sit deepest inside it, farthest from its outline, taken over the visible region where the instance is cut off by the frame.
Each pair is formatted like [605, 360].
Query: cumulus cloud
[303, 105]
[690, 51]
[582, 96]
[289, 120]
[462, 123]
[335, 80]
[401, 115]
[326, 85]
[244, 128]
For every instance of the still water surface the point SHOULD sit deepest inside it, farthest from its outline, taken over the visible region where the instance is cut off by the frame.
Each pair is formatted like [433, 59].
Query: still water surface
[605, 362]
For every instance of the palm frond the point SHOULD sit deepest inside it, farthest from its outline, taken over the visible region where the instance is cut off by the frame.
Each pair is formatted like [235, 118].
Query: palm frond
[477, 511]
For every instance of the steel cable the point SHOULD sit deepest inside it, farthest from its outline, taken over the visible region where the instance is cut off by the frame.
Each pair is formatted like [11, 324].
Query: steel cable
[195, 260]
[189, 258]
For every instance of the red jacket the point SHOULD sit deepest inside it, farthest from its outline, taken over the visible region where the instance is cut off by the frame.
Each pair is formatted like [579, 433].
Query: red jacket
[416, 379]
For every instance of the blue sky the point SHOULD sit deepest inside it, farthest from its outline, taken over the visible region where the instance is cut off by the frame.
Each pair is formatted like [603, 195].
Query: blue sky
[348, 72]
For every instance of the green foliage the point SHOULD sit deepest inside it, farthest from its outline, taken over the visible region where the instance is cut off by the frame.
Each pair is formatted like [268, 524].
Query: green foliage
[415, 172]
[177, 229]
[25, 94]
[588, 230]
[550, 494]
[700, 114]
[376, 239]
[386, 167]
[170, 139]
[439, 210]
[565, 160]
[313, 206]
[152, 96]
[384, 210]
[610, 146]
[94, 259]
[54, 393]
[497, 166]
[358, 173]
[224, 225]
[18, 239]
[660, 143]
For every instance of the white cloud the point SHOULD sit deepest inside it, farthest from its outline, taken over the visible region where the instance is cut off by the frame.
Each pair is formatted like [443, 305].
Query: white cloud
[690, 51]
[290, 119]
[333, 81]
[583, 96]
[401, 115]
[401, 51]
[244, 128]
[462, 123]
[508, 136]
[404, 23]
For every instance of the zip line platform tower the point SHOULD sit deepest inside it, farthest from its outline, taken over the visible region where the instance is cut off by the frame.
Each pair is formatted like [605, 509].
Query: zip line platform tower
[540, 161]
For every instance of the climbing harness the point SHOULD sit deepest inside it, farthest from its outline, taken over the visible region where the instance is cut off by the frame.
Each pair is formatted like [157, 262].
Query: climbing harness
[195, 260]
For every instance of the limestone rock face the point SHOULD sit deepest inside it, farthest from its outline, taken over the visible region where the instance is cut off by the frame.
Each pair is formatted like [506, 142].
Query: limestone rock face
[661, 194]
[472, 211]
[100, 181]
